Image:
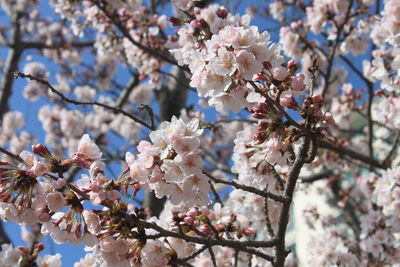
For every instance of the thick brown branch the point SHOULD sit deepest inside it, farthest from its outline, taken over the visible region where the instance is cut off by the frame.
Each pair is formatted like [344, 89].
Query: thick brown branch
[208, 241]
[11, 64]
[41, 45]
[280, 249]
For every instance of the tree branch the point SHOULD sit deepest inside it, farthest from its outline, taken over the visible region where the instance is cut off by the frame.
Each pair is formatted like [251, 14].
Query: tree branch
[353, 154]
[11, 64]
[280, 249]
[75, 102]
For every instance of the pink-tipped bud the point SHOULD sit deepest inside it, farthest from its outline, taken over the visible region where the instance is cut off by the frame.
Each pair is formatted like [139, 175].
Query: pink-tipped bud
[329, 120]
[198, 23]
[259, 116]
[249, 231]
[24, 250]
[289, 102]
[193, 212]
[39, 247]
[292, 66]
[41, 150]
[317, 98]
[222, 13]
[379, 92]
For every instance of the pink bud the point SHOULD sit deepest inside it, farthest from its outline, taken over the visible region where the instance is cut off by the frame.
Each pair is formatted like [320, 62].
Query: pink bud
[193, 212]
[222, 13]
[292, 65]
[24, 250]
[41, 150]
[198, 23]
[317, 98]
[39, 246]
[249, 231]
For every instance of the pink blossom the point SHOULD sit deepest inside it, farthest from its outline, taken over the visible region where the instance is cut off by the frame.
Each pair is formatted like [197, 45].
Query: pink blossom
[224, 63]
[55, 201]
[297, 82]
[88, 148]
[143, 146]
[248, 64]
[146, 159]
[279, 73]
[107, 244]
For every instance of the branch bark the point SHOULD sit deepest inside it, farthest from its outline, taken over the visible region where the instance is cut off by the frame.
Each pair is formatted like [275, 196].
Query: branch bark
[280, 249]
[353, 154]
[11, 65]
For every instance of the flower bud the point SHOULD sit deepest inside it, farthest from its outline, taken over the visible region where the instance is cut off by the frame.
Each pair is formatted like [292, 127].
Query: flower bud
[317, 98]
[198, 23]
[41, 150]
[292, 66]
[249, 231]
[39, 247]
[193, 212]
[24, 250]
[222, 13]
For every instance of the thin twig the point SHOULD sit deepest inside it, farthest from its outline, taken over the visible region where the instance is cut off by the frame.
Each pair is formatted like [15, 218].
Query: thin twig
[353, 154]
[392, 150]
[214, 261]
[75, 102]
[12, 155]
[249, 189]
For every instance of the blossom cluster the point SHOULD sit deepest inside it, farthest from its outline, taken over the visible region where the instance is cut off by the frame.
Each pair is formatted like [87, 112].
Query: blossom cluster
[380, 227]
[303, 119]
[223, 53]
[171, 164]
[140, 29]
[333, 252]
[20, 256]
